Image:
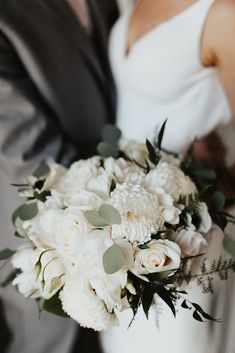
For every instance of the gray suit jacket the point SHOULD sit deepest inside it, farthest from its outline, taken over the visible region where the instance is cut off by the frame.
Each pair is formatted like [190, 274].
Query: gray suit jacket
[56, 91]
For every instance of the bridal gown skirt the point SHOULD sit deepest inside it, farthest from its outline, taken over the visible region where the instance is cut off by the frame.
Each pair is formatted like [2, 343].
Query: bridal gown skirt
[181, 334]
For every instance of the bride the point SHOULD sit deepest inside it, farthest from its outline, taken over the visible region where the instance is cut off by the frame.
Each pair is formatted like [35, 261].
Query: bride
[175, 59]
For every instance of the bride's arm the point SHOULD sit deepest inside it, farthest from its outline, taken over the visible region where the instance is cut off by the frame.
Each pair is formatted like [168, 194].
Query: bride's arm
[220, 41]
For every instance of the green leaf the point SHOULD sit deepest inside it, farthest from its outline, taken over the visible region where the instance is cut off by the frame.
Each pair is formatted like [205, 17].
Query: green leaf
[106, 149]
[53, 306]
[204, 173]
[229, 245]
[10, 278]
[147, 299]
[185, 305]
[203, 313]
[113, 259]
[106, 215]
[25, 212]
[41, 170]
[111, 134]
[165, 295]
[196, 316]
[218, 201]
[152, 153]
[110, 214]
[161, 134]
[6, 253]
[94, 219]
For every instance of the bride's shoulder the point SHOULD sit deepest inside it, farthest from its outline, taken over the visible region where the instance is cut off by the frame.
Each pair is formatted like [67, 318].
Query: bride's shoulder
[219, 32]
[222, 15]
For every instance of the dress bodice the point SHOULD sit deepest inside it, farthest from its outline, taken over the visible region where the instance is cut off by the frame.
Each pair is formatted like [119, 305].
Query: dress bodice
[162, 77]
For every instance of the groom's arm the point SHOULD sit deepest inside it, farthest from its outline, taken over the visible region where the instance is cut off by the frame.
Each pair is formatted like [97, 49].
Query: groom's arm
[24, 118]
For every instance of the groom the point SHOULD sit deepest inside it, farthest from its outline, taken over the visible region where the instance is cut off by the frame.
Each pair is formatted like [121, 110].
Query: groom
[56, 94]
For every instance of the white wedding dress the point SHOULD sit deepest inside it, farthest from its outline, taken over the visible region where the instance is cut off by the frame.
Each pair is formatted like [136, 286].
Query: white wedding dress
[162, 77]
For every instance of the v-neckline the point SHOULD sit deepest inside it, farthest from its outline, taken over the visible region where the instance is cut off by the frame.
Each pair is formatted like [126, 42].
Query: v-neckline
[130, 12]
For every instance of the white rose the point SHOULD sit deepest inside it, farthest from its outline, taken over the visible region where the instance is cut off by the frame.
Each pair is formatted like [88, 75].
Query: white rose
[80, 301]
[161, 255]
[42, 230]
[70, 228]
[206, 222]
[84, 200]
[191, 243]
[77, 176]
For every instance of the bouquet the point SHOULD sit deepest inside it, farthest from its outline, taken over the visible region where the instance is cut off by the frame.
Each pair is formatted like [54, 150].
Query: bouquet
[116, 230]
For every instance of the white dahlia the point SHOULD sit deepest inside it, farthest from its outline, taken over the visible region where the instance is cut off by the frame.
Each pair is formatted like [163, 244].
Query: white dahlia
[81, 303]
[170, 178]
[140, 212]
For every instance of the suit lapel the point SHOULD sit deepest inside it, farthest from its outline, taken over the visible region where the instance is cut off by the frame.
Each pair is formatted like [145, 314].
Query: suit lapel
[61, 9]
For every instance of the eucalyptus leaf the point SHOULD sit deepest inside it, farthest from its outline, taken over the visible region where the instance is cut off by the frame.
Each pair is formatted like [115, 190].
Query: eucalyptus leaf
[6, 253]
[113, 259]
[218, 201]
[41, 170]
[229, 245]
[109, 214]
[94, 219]
[111, 133]
[27, 211]
[106, 149]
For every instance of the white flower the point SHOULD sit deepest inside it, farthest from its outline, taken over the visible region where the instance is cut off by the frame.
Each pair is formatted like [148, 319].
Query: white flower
[90, 261]
[159, 256]
[70, 228]
[108, 287]
[115, 168]
[80, 301]
[170, 213]
[100, 185]
[191, 243]
[170, 178]
[42, 272]
[52, 179]
[139, 210]
[27, 285]
[77, 176]
[84, 200]
[42, 229]
[56, 172]
[206, 222]
[135, 151]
